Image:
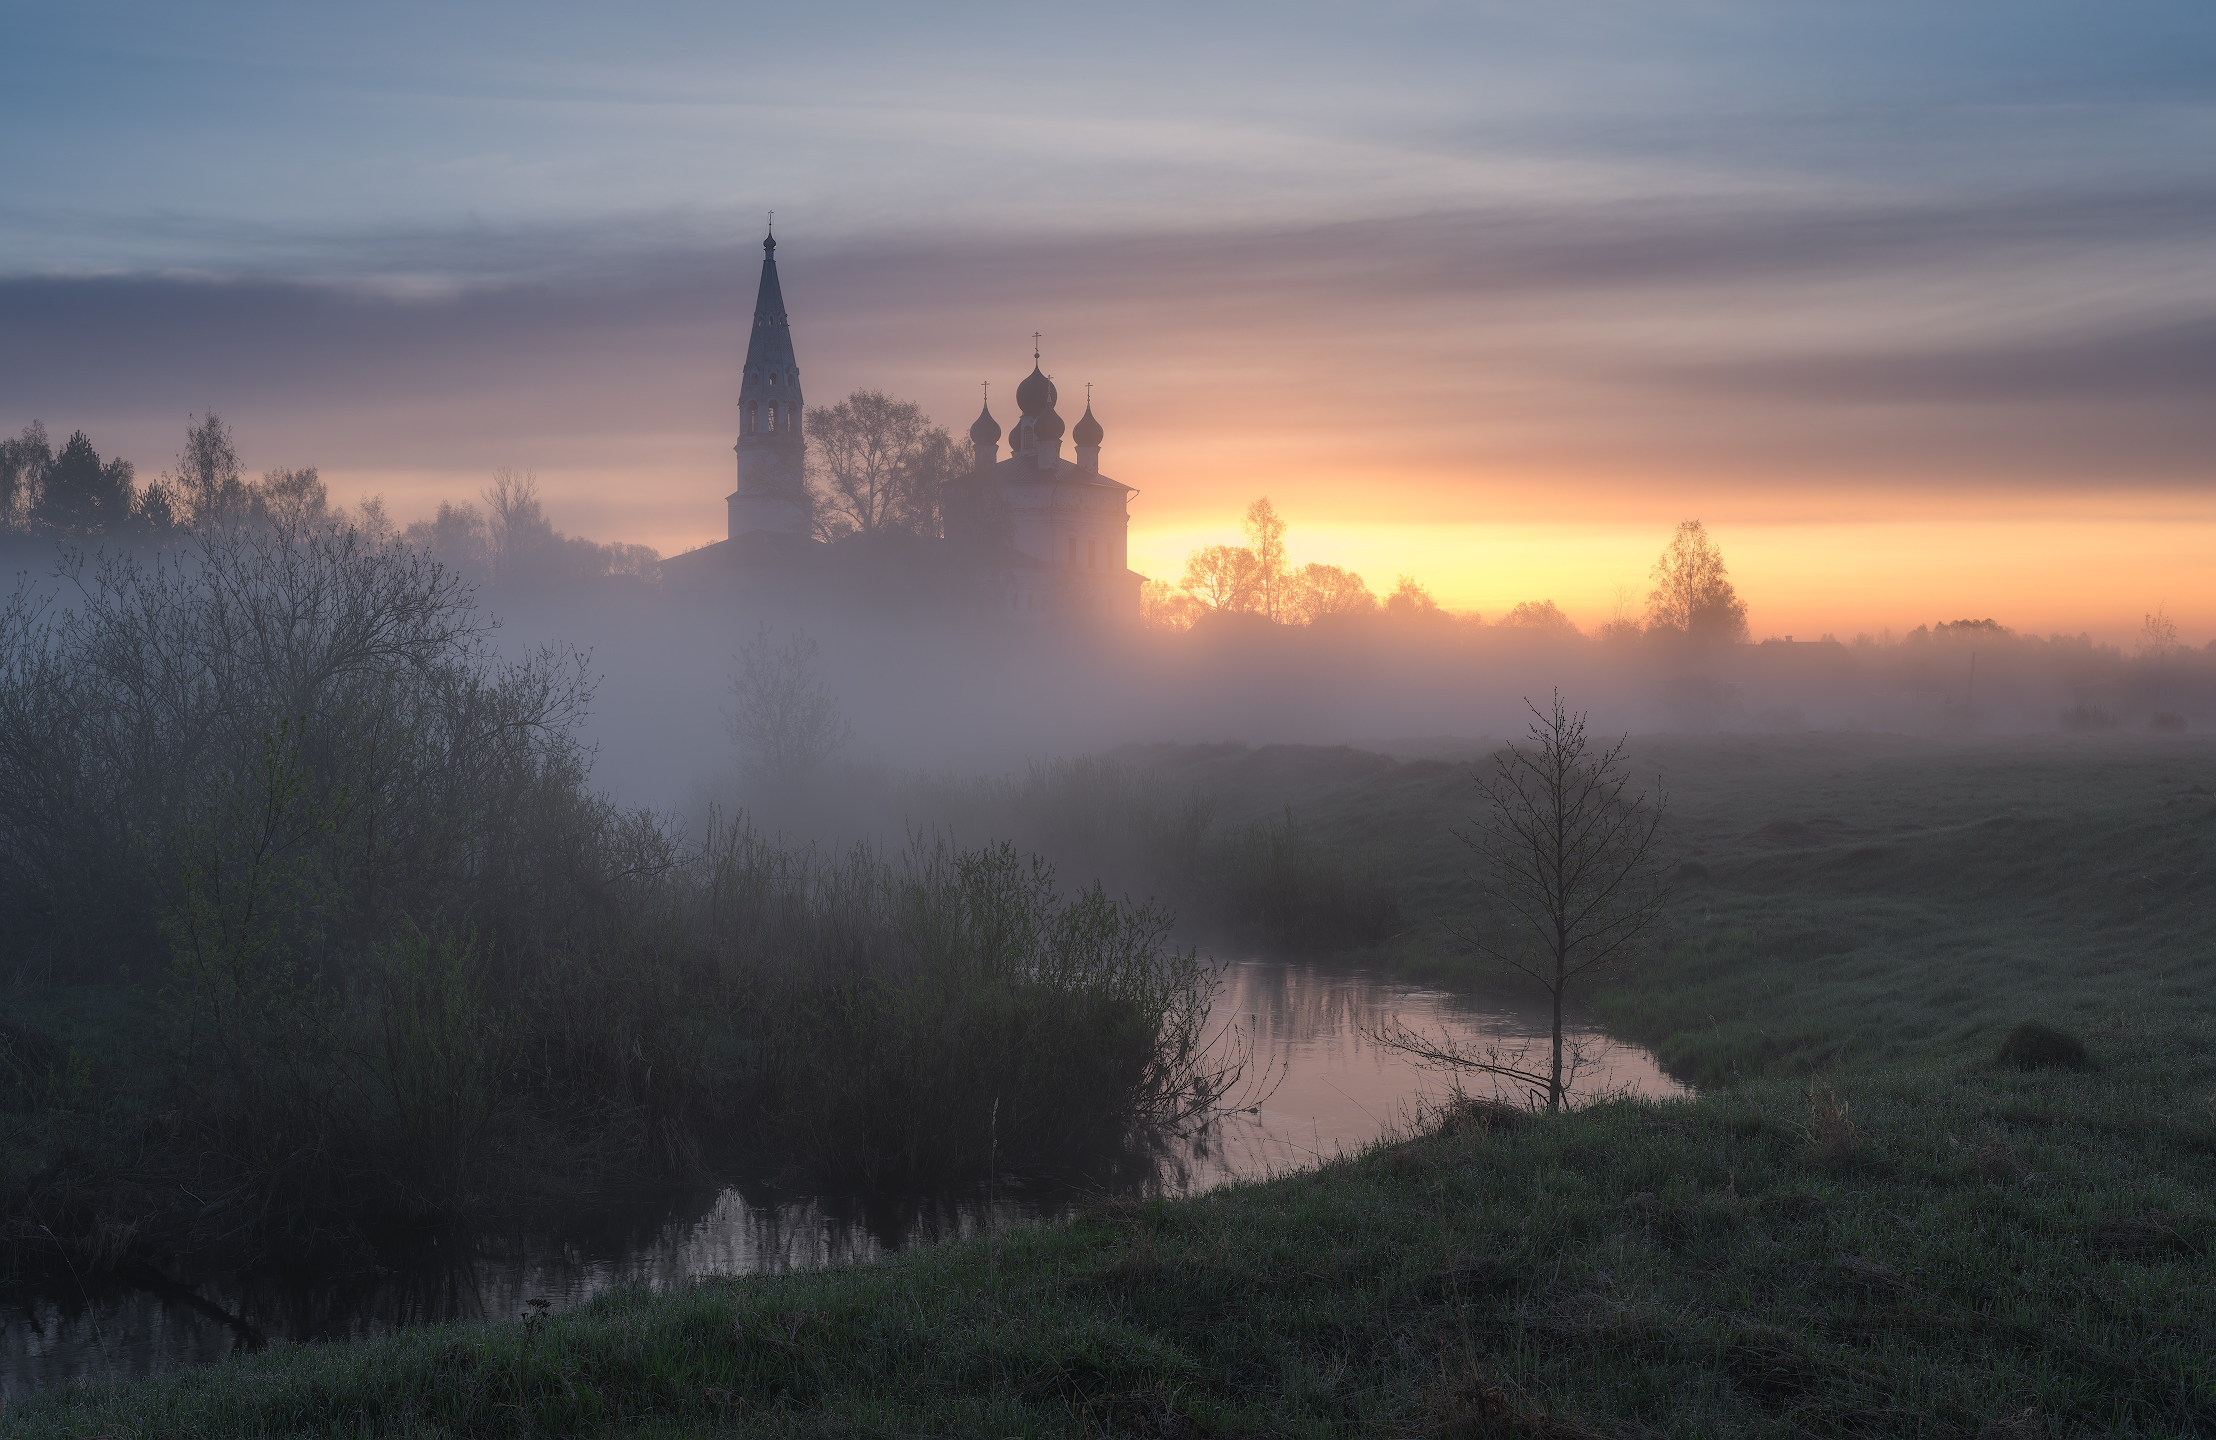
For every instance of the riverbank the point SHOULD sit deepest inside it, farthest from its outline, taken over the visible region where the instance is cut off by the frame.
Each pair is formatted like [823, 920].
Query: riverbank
[1947, 1247]
[1863, 1225]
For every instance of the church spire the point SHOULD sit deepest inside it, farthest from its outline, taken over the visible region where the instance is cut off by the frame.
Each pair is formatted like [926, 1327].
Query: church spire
[771, 495]
[770, 348]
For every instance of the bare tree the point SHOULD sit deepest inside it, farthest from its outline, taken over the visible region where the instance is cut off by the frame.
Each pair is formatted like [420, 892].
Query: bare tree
[1220, 577]
[292, 499]
[1272, 581]
[1319, 590]
[878, 464]
[1566, 866]
[23, 463]
[207, 475]
[2159, 634]
[786, 723]
[1692, 593]
[1162, 606]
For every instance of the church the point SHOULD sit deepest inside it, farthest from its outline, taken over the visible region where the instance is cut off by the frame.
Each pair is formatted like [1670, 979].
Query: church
[1033, 533]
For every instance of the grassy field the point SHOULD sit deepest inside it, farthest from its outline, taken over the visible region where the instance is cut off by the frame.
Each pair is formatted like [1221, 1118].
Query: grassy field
[1862, 1226]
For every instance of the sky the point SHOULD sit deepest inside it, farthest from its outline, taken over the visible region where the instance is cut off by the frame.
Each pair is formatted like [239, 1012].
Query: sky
[1913, 305]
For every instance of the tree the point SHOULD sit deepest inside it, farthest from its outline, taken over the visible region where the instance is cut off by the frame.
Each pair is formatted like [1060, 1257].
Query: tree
[207, 476]
[1319, 590]
[292, 499]
[456, 535]
[1691, 594]
[1566, 869]
[79, 495]
[786, 723]
[1543, 616]
[1162, 606]
[879, 465]
[2158, 635]
[23, 462]
[1220, 577]
[1411, 601]
[1271, 580]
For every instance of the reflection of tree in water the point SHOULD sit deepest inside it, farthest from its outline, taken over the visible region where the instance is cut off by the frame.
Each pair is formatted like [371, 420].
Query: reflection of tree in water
[1313, 1085]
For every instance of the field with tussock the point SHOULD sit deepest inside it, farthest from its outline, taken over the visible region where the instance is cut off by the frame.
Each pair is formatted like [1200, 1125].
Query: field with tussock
[1868, 1222]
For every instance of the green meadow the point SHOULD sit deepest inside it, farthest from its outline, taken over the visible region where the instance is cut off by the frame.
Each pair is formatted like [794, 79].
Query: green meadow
[1866, 1222]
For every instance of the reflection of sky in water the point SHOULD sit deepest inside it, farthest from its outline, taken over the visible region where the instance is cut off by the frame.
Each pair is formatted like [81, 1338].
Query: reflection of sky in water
[1336, 1089]
[1322, 1086]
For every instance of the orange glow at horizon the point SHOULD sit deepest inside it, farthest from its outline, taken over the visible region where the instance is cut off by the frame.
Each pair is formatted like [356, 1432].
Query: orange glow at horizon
[1500, 439]
[2035, 575]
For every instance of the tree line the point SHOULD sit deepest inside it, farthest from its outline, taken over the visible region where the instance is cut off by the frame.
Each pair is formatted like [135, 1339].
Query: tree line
[72, 494]
[1692, 596]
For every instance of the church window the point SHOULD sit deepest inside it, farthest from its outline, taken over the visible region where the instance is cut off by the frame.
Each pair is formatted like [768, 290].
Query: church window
[772, 417]
[1073, 552]
[753, 419]
[1090, 562]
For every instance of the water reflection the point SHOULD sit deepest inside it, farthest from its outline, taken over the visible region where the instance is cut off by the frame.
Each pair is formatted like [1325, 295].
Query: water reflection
[1337, 1089]
[1319, 1086]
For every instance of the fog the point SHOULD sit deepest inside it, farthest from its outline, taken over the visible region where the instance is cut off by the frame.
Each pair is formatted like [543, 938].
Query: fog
[940, 683]
[944, 690]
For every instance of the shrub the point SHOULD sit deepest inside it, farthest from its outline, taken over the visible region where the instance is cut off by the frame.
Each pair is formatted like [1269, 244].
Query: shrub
[417, 965]
[2034, 1046]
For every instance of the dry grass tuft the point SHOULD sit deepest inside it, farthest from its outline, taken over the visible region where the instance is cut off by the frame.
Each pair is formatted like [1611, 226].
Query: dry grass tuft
[2152, 1236]
[2024, 1424]
[1469, 1406]
[1831, 1130]
[1872, 1275]
[1152, 1415]
[1478, 1115]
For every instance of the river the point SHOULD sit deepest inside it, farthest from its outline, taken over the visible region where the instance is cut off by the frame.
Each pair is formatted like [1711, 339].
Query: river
[1317, 1086]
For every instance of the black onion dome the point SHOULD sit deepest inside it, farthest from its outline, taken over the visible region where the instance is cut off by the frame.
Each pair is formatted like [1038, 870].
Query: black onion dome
[1088, 431]
[1046, 427]
[1036, 393]
[984, 430]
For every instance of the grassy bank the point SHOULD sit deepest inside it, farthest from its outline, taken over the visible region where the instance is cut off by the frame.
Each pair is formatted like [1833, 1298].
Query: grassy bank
[1939, 1248]
[1863, 1225]
[1840, 898]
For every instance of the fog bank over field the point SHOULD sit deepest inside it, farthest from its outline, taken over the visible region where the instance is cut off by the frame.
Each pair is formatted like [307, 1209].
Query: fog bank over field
[948, 692]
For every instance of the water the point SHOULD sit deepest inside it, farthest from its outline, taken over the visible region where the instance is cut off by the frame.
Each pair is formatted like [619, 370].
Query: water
[1318, 1086]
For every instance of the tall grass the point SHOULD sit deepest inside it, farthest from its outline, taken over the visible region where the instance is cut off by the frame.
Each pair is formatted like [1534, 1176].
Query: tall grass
[1106, 815]
[1303, 895]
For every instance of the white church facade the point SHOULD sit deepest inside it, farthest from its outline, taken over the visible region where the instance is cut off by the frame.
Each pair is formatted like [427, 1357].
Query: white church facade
[1033, 532]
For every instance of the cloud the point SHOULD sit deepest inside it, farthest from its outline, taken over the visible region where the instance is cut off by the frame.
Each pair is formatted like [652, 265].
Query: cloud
[2154, 365]
[1458, 361]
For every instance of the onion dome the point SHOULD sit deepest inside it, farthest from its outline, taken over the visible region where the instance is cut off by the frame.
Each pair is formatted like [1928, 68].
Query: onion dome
[1088, 431]
[1046, 427]
[1036, 394]
[984, 430]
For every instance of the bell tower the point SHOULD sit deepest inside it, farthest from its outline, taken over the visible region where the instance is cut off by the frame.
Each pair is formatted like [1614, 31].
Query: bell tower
[772, 494]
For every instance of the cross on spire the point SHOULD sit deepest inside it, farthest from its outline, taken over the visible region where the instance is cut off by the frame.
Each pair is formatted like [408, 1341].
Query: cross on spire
[1034, 347]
